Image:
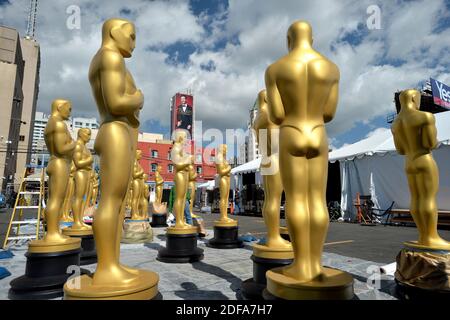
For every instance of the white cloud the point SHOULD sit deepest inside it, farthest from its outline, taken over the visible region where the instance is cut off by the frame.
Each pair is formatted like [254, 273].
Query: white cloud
[370, 73]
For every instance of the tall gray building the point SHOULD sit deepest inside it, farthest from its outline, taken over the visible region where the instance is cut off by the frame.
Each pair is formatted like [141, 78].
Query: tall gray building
[19, 78]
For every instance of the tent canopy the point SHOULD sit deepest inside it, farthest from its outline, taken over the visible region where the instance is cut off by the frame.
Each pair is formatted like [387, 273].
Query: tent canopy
[382, 141]
[209, 185]
[248, 167]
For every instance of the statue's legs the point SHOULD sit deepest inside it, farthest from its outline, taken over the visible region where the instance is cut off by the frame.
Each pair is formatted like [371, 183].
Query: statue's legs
[271, 210]
[115, 172]
[81, 186]
[67, 205]
[318, 211]
[191, 207]
[58, 173]
[158, 194]
[303, 167]
[224, 195]
[180, 199]
[136, 192]
[427, 182]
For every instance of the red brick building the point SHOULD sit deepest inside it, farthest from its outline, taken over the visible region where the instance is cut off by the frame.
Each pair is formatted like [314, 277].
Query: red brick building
[158, 153]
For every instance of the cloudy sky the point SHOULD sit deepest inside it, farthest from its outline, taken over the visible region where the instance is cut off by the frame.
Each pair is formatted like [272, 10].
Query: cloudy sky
[220, 49]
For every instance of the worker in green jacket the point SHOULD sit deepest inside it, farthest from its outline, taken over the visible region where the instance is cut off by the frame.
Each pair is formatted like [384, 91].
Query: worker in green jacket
[187, 212]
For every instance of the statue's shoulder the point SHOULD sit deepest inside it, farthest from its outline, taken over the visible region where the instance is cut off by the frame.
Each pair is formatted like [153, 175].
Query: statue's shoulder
[428, 117]
[109, 59]
[323, 63]
[58, 125]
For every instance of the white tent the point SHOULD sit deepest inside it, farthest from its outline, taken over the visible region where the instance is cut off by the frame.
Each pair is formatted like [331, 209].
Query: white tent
[208, 185]
[373, 167]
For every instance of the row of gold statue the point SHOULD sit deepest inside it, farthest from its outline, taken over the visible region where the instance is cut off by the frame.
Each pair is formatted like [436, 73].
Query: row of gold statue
[301, 96]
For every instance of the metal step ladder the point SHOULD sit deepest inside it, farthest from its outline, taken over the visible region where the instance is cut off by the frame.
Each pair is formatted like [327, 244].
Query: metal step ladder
[29, 186]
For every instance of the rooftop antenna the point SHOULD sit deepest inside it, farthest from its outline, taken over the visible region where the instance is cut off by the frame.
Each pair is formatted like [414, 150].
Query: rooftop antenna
[32, 17]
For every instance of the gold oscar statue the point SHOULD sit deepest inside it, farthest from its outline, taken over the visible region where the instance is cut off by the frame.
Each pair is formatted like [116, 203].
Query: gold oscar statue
[82, 159]
[68, 199]
[181, 161]
[226, 230]
[415, 136]
[192, 186]
[95, 186]
[119, 103]
[275, 247]
[143, 201]
[60, 146]
[302, 94]
[223, 170]
[159, 181]
[136, 186]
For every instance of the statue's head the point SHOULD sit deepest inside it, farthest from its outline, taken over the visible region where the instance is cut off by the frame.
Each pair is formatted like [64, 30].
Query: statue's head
[180, 136]
[84, 134]
[158, 168]
[262, 99]
[299, 34]
[121, 33]
[223, 150]
[62, 107]
[138, 154]
[410, 97]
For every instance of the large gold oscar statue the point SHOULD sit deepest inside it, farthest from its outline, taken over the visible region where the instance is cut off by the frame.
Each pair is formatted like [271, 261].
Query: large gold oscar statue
[423, 266]
[68, 199]
[181, 161]
[61, 147]
[49, 259]
[302, 93]
[181, 239]
[82, 159]
[119, 103]
[223, 170]
[192, 186]
[275, 247]
[136, 186]
[159, 181]
[226, 230]
[415, 136]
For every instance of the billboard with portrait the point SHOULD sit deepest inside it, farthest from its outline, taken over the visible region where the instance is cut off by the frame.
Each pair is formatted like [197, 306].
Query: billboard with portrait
[182, 114]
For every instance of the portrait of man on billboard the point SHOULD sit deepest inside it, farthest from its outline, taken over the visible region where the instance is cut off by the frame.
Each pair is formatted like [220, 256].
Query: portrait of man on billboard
[184, 115]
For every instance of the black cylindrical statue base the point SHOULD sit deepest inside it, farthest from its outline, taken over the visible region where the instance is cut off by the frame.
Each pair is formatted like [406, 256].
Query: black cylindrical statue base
[180, 248]
[88, 253]
[252, 289]
[159, 220]
[225, 238]
[45, 275]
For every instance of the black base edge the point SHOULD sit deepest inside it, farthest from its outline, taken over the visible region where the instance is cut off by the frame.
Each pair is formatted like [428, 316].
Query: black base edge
[251, 290]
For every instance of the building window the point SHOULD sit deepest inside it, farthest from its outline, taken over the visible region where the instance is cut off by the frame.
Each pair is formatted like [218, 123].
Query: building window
[170, 168]
[78, 123]
[154, 166]
[154, 153]
[169, 155]
[199, 170]
[21, 138]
